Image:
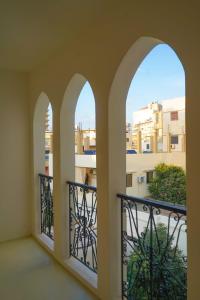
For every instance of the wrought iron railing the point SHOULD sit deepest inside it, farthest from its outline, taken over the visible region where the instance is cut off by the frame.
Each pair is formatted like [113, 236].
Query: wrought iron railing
[154, 249]
[83, 224]
[46, 205]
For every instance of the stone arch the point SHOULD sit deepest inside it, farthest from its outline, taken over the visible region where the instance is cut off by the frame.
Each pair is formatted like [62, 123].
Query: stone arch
[117, 143]
[67, 153]
[40, 110]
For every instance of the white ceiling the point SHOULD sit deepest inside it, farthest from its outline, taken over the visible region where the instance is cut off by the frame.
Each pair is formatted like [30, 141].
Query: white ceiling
[32, 31]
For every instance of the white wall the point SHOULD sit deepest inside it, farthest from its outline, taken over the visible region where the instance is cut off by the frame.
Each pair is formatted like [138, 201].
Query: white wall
[139, 164]
[136, 164]
[14, 156]
[85, 161]
[145, 162]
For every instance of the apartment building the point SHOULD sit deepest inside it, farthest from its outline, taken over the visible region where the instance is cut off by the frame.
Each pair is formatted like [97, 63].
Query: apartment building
[174, 135]
[85, 141]
[147, 128]
[158, 130]
[160, 127]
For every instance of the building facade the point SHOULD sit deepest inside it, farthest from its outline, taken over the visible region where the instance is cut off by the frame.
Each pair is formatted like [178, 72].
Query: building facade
[85, 140]
[157, 132]
[160, 127]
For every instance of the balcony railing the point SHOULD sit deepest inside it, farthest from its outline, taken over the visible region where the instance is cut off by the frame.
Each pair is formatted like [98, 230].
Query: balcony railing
[83, 224]
[46, 205]
[154, 249]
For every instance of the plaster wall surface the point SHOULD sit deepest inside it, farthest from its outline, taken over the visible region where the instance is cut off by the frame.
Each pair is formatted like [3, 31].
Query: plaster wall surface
[145, 162]
[15, 198]
[85, 161]
[100, 54]
[136, 164]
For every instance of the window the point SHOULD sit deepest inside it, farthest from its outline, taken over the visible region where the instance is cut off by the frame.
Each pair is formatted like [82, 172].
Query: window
[128, 180]
[93, 171]
[147, 146]
[174, 139]
[149, 176]
[174, 115]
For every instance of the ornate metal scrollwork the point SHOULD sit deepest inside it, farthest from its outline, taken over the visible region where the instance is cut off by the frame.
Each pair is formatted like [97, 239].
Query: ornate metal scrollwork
[46, 205]
[83, 224]
[154, 254]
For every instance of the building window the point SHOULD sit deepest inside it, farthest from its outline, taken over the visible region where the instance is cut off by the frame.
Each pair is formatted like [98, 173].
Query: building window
[147, 146]
[149, 176]
[174, 139]
[174, 115]
[128, 180]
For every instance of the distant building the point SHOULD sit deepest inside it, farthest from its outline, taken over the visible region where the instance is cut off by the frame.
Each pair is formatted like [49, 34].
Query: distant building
[174, 137]
[129, 140]
[156, 135]
[85, 141]
[160, 127]
[48, 144]
[147, 128]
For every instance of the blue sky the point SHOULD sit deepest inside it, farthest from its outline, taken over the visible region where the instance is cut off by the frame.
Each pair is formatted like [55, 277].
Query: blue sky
[85, 109]
[160, 76]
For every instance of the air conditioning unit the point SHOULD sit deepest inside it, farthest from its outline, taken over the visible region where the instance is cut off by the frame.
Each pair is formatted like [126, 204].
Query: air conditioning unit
[140, 179]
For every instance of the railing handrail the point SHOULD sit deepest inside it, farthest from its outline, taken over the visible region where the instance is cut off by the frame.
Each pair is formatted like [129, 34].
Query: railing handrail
[85, 186]
[44, 175]
[156, 203]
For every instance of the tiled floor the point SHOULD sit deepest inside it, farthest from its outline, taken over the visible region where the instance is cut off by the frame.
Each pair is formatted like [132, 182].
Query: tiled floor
[28, 273]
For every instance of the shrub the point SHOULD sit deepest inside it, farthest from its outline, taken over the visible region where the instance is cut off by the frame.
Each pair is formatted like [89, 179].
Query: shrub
[169, 184]
[168, 268]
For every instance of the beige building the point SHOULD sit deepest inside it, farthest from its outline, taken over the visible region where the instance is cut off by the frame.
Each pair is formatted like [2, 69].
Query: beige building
[174, 136]
[129, 136]
[48, 152]
[158, 131]
[147, 128]
[160, 127]
[139, 169]
[49, 141]
[85, 140]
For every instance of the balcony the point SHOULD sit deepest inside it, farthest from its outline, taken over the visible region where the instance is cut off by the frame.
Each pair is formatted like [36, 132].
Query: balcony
[153, 240]
[28, 273]
[46, 205]
[83, 224]
[153, 249]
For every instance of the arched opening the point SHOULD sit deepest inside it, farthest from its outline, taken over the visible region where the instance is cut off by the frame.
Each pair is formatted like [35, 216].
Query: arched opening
[78, 169]
[131, 234]
[155, 170]
[49, 141]
[85, 137]
[155, 120]
[43, 169]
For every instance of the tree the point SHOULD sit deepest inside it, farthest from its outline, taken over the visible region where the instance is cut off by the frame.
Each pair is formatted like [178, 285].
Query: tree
[168, 277]
[168, 184]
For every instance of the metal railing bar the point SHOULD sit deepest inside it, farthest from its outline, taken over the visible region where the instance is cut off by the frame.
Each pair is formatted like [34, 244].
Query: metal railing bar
[155, 203]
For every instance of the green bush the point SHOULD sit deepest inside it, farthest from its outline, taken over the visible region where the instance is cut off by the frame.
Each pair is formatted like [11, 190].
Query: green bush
[169, 184]
[168, 268]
